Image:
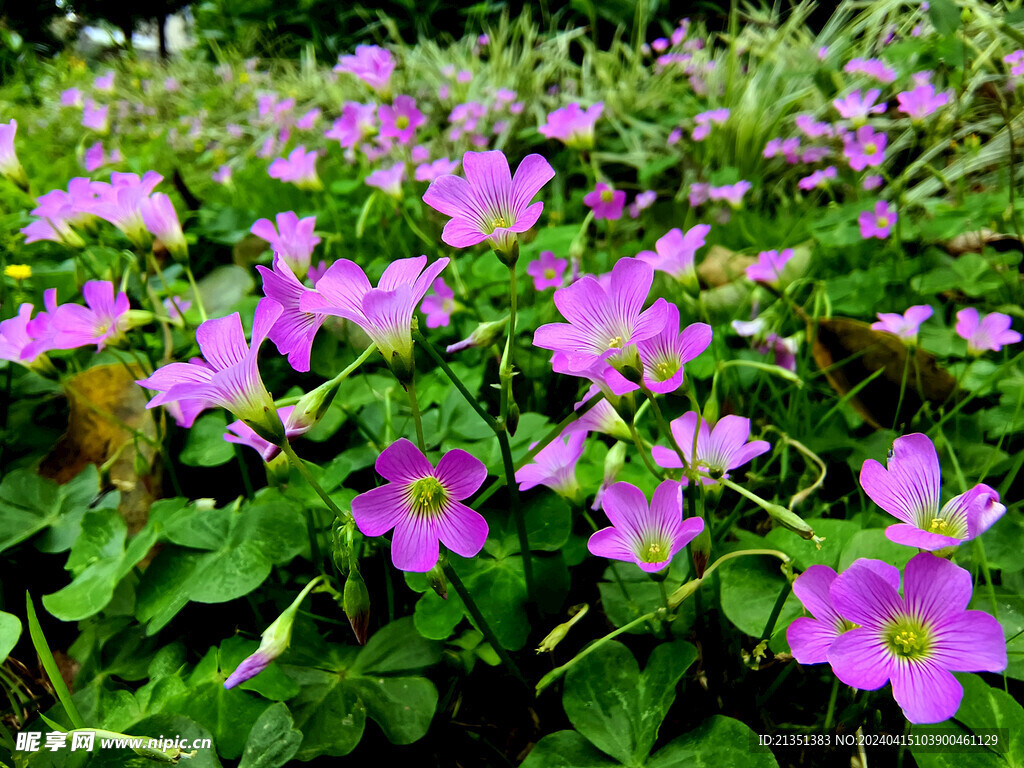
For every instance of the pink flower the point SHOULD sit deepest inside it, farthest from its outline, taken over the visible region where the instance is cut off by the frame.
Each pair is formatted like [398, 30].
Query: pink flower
[292, 239]
[699, 194]
[906, 325]
[222, 175]
[299, 169]
[909, 490]
[674, 253]
[731, 193]
[547, 271]
[864, 149]
[642, 202]
[769, 265]
[388, 179]
[555, 466]
[989, 333]
[424, 505]
[439, 305]
[102, 321]
[874, 181]
[489, 204]
[241, 433]
[120, 203]
[877, 223]
[357, 123]
[705, 120]
[817, 178]
[718, 450]
[371, 64]
[921, 101]
[664, 355]
[647, 535]
[308, 120]
[572, 125]
[161, 220]
[875, 68]
[72, 97]
[857, 108]
[95, 116]
[401, 119]
[605, 202]
[436, 169]
[813, 129]
[294, 329]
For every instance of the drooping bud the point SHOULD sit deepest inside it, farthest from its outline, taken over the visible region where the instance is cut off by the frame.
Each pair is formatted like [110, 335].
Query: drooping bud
[789, 519]
[556, 635]
[274, 641]
[357, 605]
[614, 460]
[512, 420]
[312, 406]
[483, 335]
[683, 592]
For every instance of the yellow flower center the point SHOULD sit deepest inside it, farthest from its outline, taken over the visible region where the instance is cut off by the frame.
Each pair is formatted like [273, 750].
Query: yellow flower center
[870, 148]
[402, 122]
[498, 221]
[427, 496]
[549, 274]
[607, 196]
[882, 222]
[615, 343]
[654, 552]
[909, 639]
[18, 271]
[665, 370]
[102, 328]
[938, 525]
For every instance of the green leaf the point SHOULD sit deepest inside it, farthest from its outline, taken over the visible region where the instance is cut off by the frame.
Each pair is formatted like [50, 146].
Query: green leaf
[435, 618]
[10, 632]
[1009, 612]
[30, 504]
[402, 706]
[750, 586]
[716, 742]
[806, 553]
[205, 445]
[667, 664]
[567, 749]
[273, 740]
[396, 648]
[945, 16]
[330, 715]
[873, 543]
[982, 709]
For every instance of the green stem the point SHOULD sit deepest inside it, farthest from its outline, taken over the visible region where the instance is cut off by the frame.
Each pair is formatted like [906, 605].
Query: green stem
[50, 665]
[517, 512]
[454, 379]
[195, 292]
[773, 618]
[506, 358]
[481, 623]
[831, 711]
[666, 429]
[642, 450]
[300, 465]
[417, 418]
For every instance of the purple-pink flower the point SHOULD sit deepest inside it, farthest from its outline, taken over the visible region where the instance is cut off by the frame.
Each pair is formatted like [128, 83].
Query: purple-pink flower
[731, 193]
[875, 68]
[909, 490]
[921, 101]
[858, 108]
[401, 119]
[605, 202]
[241, 433]
[161, 220]
[294, 330]
[769, 266]
[489, 204]
[810, 638]
[879, 222]
[573, 125]
[439, 305]
[864, 149]
[371, 64]
[555, 465]
[299, 168]
[606, 323]
[647, 535]
[817, 178]
[547, 271]
[385, 312]
[357, 123]
[983, 334]
[102, 321]
[914, 641]
[436, 169]
[718, 450]
[664, 355]
[424, 505]
[292, 239]
[641, 202]
[388, 180]
[906, 325]
[228, 376]
[705, 120]
[674, 253]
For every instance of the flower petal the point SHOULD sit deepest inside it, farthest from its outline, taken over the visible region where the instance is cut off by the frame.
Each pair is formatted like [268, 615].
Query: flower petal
[461, 473]
[926, 692]
[414, 546]
[403, 462]
[860, 659]
[461, 529]
[810, 640]
[379, 510]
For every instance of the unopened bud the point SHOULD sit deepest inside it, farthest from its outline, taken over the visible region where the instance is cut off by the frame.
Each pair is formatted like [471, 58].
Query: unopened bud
[683, 592]
[312, 407]
[483, 335]
[402, 368]
[357, 605]
[700, 551]
[556, 635]
[512, 420]
[437, 580]
[789, 519]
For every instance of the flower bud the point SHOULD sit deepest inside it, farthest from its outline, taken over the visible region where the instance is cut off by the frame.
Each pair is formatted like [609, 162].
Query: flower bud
[789, 519]
[683, 592]
[512, 420]
[556, 635]
[437, 580]
[402, 368]
[483, 335]
[700, 551]
[312, 406]
[357, 605]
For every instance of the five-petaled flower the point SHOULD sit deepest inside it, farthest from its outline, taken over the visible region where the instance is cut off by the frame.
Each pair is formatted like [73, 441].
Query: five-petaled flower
[490, 203]
[648, 535]
[424, 505]
[988, 333]
[718, 450]
[909, 490]
[906, 325]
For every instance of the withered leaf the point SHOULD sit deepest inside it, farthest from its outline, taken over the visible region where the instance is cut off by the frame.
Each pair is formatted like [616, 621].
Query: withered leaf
[850, 352]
